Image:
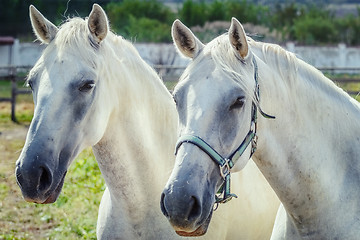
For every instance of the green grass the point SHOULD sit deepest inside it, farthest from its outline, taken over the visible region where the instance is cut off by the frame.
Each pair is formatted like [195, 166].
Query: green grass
[72, 216]
[170, 84]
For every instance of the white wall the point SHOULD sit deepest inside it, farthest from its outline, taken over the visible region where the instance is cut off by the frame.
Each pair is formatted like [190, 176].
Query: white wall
[23, 54]
[321, 57]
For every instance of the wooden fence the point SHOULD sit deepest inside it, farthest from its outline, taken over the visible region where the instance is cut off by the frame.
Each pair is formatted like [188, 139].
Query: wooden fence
[168, 73]
[11, 74]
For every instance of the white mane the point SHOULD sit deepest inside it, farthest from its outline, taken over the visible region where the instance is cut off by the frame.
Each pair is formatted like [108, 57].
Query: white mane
[289, 66]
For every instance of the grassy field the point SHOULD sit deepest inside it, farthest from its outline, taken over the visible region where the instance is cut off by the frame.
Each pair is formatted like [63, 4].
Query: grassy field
[74, 214]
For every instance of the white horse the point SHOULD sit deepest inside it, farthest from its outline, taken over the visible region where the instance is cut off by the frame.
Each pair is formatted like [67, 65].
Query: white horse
[310, 152]
[91, 88]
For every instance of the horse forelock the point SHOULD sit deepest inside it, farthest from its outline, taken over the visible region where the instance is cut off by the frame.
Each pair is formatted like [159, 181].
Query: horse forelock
[226, 61]
[73, 36]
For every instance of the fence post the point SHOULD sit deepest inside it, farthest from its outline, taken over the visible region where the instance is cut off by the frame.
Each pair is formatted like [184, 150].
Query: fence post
[13, 93]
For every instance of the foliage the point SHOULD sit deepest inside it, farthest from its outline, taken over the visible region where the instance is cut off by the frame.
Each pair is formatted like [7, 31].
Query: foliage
[72, 216]
[197, 13]
[350, 29]
[247, 12]
[148, 30]
[143, 20]
[305, 22]
[54, 10]
[312, 30]
[193, 13]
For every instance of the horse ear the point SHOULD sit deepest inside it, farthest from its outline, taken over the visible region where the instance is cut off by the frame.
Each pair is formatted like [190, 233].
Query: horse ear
[98, 23]
[184, 40]
[44, 30]
[237, 38]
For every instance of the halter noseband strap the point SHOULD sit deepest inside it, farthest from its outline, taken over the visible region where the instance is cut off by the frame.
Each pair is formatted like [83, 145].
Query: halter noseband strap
[225, 164]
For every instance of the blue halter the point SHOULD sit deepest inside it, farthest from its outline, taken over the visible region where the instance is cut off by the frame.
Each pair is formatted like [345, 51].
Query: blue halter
[225, 164]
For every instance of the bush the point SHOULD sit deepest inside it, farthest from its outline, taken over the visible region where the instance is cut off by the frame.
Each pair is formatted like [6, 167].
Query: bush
[148, 30]
[315, 26]
[349, 29]
[216, 11]
[122, 16]
[197, 13]
[246, 12]
[193, 13]
[314, 30]
[150, 20]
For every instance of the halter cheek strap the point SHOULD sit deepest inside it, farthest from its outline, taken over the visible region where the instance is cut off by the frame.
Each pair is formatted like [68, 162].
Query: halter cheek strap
[225, 164]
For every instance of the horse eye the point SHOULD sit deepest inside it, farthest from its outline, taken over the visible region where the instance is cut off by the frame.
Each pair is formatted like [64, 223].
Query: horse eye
[87, 86]
[239, 103]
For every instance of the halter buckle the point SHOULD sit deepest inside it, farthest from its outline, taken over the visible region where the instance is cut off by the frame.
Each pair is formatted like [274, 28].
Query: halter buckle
[225, 168]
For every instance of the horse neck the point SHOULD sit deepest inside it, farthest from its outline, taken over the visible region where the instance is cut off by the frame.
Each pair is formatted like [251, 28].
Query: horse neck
[135, 154]
[307, 151]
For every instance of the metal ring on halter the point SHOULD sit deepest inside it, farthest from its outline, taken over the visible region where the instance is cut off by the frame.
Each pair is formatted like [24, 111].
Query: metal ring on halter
[225, 169]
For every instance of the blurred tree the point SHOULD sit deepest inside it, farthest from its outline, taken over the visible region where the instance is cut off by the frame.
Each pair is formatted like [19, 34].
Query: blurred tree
[314, 30]
[283, 17]
[349, 29]
[150, 20]
[148, 30]
[125, 15]
[14, 17]
[14, 14]
[193, 13]
[315, 25]
[246, 12]
[216, 11]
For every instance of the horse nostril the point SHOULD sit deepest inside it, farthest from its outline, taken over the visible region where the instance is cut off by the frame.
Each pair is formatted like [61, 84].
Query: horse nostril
[194, 209]
[179, 209]
[45, 179]
[162, 205]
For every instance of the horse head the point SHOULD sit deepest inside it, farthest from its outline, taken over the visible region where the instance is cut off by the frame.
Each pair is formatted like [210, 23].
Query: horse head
[215, 102]
[71, 107]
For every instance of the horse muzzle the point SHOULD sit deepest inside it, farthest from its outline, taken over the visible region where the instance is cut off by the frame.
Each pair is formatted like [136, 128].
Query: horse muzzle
[200, 231]
[188, 214]
[39, 185]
